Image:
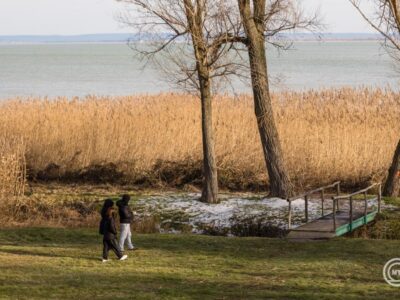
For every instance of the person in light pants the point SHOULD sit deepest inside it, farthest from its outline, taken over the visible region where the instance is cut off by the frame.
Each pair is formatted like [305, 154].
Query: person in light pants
[125, 217]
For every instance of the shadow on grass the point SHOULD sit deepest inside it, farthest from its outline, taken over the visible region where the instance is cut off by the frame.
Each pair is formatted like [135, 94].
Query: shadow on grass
[158, 285]
[49, 236]
[42, 254]
[251, 249]
[192, 267]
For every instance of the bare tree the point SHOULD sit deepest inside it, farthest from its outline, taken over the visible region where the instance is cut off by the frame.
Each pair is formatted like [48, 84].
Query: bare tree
[262, 21]
[207, 28]
[386, 21]
[213, 29]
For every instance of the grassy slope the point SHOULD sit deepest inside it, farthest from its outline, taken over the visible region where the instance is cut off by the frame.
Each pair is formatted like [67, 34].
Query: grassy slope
[64, 263]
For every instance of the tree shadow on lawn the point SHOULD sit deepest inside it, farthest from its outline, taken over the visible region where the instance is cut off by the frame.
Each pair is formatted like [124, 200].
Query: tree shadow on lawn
[342, 249]
[251, 249]
[43, 254]
[49, 237]
[150, 285]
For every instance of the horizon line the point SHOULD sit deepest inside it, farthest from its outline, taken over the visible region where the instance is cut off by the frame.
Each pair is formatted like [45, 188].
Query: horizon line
[131, 33]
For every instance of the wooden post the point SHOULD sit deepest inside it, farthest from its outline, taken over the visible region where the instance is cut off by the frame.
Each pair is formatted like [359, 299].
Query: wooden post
[337, 194]
[351, 213]
[290, 215]
[322, 201]
[379, 197]
[365, 207]
[306, 207]
[334, 214]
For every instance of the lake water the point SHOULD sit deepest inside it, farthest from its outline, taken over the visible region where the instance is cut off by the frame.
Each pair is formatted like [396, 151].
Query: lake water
[112, 69]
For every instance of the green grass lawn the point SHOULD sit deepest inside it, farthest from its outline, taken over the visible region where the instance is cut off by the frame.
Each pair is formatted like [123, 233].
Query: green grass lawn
[65, 264]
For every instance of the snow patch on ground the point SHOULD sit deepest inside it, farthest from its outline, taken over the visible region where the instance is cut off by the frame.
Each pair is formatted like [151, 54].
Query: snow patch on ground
[234, 215]
[232, 212]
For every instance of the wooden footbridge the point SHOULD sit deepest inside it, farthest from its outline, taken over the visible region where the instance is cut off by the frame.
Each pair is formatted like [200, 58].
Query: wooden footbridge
[343, 216]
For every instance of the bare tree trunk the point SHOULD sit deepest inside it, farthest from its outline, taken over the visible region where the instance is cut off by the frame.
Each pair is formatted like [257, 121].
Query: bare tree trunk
[280, 185]
[194, 16]
[210, 184]
[392, 185]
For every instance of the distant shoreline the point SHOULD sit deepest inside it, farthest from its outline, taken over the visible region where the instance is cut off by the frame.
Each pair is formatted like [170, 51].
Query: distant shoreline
[62, 43]
[126, 42]
[126, 37]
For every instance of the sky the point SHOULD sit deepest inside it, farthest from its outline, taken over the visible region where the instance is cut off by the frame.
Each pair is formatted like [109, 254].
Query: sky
[74, 17]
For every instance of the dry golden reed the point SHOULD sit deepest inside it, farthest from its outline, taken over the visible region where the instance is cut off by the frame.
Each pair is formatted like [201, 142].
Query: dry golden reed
[346, 134]
[12, 174]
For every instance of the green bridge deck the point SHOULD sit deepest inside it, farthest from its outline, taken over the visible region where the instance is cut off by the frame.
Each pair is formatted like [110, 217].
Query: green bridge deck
[323, 227]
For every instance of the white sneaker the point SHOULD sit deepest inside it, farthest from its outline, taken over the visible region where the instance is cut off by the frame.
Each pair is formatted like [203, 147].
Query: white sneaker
[124, 257]
[104, 260]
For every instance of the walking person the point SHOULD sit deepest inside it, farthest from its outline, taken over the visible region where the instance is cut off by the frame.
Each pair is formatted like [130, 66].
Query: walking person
[126, 218]
[109, 231]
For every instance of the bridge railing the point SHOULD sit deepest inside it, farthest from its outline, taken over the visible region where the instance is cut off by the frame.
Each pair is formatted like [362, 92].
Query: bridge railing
[307, 195]
[351, 198]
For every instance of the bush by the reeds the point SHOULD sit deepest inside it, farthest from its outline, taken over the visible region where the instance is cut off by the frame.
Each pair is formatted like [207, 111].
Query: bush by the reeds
[331, 134]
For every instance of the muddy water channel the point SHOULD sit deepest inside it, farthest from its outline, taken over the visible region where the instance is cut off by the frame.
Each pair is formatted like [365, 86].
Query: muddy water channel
[235, 215]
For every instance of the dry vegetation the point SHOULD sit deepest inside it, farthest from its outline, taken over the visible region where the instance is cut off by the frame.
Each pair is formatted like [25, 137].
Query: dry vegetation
[331, 134]
[12, 174]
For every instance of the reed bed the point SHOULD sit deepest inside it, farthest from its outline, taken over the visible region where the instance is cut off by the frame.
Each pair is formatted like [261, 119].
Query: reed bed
[347, 134]
[12, 175]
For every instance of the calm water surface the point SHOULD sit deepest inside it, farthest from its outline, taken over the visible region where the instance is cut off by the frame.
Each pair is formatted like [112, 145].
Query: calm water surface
[112, 69]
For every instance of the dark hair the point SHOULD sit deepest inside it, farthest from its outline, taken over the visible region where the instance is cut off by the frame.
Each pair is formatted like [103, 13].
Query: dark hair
[126, 198]
[108, 203]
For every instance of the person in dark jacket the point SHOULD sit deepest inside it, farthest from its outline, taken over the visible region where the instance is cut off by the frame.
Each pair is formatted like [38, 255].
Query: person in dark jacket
[109, 231]
[126, 218]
